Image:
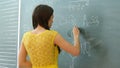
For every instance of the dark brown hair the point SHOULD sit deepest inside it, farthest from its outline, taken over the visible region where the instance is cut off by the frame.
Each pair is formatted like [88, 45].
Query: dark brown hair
[41, 16]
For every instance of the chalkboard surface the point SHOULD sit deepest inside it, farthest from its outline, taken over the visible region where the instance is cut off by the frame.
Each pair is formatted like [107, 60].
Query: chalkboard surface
[99, 22]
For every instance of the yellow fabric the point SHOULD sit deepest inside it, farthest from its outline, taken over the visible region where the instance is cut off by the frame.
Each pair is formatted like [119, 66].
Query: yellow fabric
[41, 49]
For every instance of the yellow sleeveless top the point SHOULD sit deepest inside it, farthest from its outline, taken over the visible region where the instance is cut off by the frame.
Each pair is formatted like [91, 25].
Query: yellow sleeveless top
[41, 49]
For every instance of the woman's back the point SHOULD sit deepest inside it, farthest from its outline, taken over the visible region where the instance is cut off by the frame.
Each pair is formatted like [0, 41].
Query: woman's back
[41, 49]
[41, 46]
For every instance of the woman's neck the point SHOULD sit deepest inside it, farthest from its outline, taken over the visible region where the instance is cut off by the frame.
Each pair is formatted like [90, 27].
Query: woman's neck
[38, 29]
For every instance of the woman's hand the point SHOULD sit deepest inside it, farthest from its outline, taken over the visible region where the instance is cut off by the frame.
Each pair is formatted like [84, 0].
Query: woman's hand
[76, 32]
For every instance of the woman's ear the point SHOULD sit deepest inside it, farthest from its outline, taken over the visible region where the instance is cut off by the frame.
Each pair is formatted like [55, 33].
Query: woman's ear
[50, 21]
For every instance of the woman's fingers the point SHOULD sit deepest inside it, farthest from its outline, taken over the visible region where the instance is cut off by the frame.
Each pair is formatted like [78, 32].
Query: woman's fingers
[75, 31]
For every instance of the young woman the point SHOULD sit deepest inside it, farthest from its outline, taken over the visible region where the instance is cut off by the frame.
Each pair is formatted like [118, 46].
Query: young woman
[42, 44]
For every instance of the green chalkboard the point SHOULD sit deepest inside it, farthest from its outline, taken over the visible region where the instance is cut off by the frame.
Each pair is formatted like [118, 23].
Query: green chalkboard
[98, 21]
